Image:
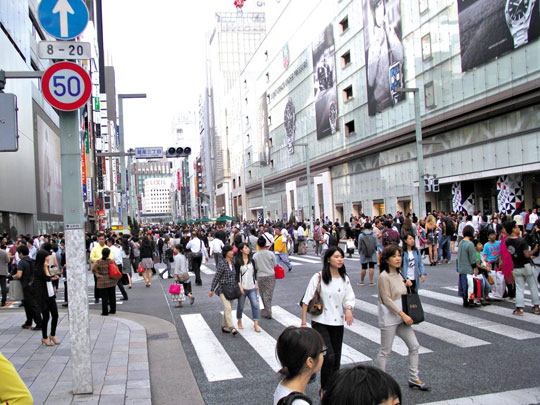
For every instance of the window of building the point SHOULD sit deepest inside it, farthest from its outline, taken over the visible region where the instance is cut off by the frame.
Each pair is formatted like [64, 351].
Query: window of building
[265, 55]
[272, 164]
[249, 174]
[246, 100]
[429, 95]
[423, 6]
[344, 24]
[346, 59]
[426, 47]
[249, 156]
[267, 77]
[239, 181]
[247, 137]
[247, 120]
[347, 93]
[269, 120]
[233, 183]
[349, 128]
[269, 142]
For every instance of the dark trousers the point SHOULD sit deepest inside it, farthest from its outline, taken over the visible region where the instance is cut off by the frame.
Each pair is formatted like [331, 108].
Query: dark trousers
[96, 290]
[3, 287]
[31, 308]
[108, 299]
[217, 257]
[49, 307]
[196, 263]
[120, 285]
[333, 339]
[65, 292]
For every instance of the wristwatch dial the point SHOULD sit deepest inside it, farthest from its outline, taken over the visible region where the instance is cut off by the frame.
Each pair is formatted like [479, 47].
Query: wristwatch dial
[332, 117]
[517, 10]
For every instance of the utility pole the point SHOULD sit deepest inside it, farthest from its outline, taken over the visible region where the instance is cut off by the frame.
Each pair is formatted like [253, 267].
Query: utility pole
[124, 198]
[419, 150]
[308, 179]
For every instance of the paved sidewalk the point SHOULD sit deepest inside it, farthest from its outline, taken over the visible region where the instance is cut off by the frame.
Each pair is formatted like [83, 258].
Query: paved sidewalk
[120, 364]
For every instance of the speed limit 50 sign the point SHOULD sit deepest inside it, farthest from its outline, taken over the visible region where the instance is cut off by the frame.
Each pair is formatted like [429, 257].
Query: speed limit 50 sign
[66, 86]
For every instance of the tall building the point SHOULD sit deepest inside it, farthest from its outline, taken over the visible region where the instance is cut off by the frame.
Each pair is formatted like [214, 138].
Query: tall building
[230, 45]
[324, 86]
[145, 170]
[156, 200]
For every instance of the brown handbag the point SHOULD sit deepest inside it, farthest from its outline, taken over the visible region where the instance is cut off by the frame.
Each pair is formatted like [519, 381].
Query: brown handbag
[315, 306]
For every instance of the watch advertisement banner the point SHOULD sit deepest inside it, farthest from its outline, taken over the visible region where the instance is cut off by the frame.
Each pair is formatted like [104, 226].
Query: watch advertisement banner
[490, 28]
[289, 117]
[325, 84]
[384, 53]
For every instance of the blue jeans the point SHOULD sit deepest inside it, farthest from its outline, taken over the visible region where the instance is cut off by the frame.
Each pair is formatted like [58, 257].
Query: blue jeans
[444, 240]
[524, 275]
[252, 295]
[283, 257]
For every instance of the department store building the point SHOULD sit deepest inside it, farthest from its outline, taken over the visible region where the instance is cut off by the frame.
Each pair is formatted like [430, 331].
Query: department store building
[324, 81]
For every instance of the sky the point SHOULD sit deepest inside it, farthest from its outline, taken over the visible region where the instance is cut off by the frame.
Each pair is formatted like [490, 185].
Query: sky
[158, 48]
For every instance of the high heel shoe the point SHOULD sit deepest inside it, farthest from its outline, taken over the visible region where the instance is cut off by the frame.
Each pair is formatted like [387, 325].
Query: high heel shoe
[419, 384]
[54, 340]
[46, 342]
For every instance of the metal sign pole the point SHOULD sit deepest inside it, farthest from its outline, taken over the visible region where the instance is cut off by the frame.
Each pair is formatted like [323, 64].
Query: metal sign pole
[79, 322]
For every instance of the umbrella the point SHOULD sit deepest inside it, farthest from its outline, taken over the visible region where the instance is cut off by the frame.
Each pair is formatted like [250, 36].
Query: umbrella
[205, 220]
[190, 221]
[226, 218]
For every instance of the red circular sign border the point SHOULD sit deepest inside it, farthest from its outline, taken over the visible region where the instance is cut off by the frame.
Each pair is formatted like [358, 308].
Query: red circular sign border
[58, 104]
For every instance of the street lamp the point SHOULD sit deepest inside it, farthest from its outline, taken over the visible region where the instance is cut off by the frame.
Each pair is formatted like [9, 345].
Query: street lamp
[121, 98]
[308, 177]
[419, 151]
[262, 164]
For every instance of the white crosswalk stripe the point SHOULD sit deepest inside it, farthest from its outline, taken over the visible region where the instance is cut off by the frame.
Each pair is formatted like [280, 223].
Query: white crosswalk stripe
[215, 361]
[515, 397]
[492, 309]
[348, 354]
[207, 270]
[262, 343]
[305, 259]
[450, 336]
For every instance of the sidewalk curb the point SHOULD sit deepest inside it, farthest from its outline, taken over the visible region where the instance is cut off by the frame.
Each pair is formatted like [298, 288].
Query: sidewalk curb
[169, 367]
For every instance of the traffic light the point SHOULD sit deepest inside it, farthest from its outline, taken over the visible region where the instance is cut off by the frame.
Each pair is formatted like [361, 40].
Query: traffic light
[107, 202]
[435, 185]
[178, 152]
[427, 184]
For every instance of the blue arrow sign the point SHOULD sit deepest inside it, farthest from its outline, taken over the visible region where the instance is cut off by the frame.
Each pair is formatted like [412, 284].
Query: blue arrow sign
[63, 19]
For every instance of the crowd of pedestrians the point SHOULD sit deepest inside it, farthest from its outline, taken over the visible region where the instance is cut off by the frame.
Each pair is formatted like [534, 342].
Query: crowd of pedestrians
[493, 257]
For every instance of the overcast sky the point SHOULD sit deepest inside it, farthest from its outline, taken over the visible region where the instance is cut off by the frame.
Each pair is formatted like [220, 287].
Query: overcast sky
[157, 48]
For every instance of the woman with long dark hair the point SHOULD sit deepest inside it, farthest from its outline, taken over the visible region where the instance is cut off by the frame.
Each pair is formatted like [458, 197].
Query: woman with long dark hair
[126, 265]
[337, 295]
[246, 274]
[412, 268]
[392, 320]
[147, 258]
[45, 294]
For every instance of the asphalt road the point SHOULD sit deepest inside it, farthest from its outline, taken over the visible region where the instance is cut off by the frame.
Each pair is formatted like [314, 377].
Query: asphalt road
[468, 352]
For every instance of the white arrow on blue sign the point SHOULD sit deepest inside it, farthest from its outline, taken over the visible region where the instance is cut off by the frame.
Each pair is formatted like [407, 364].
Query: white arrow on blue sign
[63, 19]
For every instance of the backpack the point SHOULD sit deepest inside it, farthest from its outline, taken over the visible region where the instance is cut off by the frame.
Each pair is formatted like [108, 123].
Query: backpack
[332, 240]
[450, 228]
[390, 237]
[289, 399]
[317, 235]
[368, 246]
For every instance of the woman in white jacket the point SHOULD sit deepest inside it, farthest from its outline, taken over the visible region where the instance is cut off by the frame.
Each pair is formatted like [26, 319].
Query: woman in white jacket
[181, 267]
[338, 304]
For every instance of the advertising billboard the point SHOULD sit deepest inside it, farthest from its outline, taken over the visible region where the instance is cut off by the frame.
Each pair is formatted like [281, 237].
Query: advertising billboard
[48, 169]
[264, 132]
[490, 28]
[384, 53]
[325, 84]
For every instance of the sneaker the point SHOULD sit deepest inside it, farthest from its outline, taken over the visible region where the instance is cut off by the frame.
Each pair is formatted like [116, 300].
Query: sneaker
[518, 312]
[372, 284]
[360, 283]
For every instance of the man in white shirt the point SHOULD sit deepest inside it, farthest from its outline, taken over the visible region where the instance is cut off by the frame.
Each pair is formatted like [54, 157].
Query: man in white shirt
[198, 252]
[216, 246]
[117, 257]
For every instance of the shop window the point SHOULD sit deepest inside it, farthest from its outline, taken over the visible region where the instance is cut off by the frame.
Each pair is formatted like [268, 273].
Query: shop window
[346, 59]
[344, 24]
[349, 128]
[347, 93]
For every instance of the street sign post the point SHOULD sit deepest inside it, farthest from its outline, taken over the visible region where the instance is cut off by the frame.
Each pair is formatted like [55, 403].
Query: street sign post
[64, 50]
[154, 152]
[66, 86]
[63, 19]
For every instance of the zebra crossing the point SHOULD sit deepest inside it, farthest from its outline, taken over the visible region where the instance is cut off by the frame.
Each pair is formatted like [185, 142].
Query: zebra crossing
[218, 365]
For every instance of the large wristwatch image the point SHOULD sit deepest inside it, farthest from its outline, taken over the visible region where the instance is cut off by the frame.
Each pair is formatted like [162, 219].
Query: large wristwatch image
[518, 15]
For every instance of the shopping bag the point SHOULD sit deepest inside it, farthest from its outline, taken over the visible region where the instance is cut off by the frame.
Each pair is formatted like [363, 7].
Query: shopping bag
[15, 290]
[478, 286]
[175, 289]
[140, 269]
[50, 289]
[114, 272]
[413, 307]
[500, 285]
[124, 279]
[279, 272]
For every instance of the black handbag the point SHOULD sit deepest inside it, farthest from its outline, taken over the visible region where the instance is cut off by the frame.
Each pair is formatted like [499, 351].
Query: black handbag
[124, 279]
[231, 291]
[412, 306]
